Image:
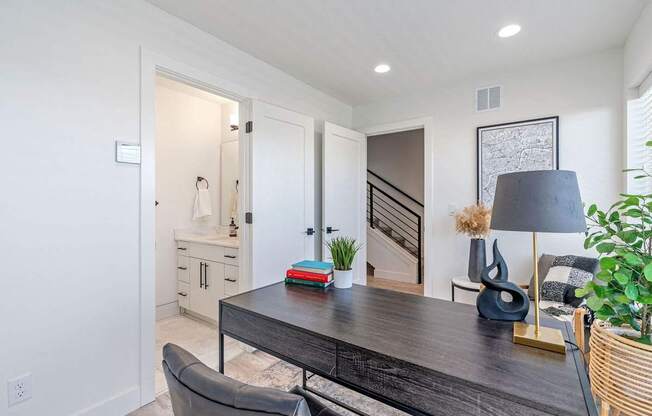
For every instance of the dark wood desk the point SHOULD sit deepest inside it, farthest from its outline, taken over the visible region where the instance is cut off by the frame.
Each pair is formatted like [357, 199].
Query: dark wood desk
[421, 355]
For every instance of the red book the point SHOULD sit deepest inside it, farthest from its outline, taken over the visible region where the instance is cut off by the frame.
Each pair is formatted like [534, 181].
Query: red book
[313, 277]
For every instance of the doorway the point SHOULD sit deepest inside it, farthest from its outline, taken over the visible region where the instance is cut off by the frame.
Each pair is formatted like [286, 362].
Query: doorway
[196, 213]
[196, 153]
[402, 205]
[395, 210]
[347, 201]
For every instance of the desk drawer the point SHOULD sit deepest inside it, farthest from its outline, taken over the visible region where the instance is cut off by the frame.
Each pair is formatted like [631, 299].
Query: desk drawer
[287, 342]
[421, 388]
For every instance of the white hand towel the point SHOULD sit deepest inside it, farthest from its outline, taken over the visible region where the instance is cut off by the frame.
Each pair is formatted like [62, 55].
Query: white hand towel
[202, 204]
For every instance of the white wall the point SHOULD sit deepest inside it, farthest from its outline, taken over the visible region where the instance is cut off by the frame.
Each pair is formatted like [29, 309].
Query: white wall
[69, 234]
[398, 158]
[587, 94]
[390, 261]
[188, 138]
[638, 50]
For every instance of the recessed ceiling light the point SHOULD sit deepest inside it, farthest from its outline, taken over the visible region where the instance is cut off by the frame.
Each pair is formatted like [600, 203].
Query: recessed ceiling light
[509, 31]
[382, 68]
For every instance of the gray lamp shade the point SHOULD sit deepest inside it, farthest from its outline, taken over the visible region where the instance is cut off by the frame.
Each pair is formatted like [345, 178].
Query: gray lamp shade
[546, 201]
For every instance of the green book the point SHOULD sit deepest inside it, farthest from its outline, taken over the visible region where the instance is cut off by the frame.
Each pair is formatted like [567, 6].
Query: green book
[307, 282]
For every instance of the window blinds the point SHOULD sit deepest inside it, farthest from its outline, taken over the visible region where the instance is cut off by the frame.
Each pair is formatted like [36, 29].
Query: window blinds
[639, 131]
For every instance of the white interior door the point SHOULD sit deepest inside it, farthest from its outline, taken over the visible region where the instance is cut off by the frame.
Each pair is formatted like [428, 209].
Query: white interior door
[344, 190]
[282, 148]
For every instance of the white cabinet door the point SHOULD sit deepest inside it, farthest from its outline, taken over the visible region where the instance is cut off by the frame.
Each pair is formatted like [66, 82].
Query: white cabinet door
[344, 190]
[206, 287]
[196, 284]
[213, 288]
[282, 191]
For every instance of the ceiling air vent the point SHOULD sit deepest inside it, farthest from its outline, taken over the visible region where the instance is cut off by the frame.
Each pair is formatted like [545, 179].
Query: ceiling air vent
[487, 98]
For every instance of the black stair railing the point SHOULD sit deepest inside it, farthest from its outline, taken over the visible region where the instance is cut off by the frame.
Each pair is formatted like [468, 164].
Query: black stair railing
[396, 220]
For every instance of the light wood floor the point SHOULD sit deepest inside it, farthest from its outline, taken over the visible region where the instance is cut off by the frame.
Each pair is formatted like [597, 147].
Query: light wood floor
[394, 285]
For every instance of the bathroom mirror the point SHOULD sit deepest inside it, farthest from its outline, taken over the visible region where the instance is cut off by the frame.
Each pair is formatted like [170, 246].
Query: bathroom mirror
[229, 174]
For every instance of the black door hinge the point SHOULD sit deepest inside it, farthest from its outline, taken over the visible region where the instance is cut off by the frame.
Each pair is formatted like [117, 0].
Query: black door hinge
[249, 218]
[249, 126]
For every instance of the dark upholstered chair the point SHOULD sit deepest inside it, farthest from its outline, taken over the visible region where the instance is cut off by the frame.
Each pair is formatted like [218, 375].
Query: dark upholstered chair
[197, 390]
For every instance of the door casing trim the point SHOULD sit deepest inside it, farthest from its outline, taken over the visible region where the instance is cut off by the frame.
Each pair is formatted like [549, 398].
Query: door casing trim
[151, 65]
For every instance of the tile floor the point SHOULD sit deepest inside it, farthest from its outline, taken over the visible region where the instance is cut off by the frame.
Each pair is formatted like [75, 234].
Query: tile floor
[193, 335]
[200, 339]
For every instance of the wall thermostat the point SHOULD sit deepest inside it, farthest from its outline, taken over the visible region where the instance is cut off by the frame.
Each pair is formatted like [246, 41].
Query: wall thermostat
[127, 152]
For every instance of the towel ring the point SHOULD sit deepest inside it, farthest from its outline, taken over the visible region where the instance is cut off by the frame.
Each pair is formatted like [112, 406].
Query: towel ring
[199, 179]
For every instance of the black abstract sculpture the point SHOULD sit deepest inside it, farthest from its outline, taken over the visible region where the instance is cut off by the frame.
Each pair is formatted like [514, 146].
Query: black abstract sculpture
[490, 302]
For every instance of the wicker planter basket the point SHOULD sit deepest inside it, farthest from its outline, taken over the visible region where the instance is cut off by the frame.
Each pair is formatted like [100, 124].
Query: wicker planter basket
[621, 372]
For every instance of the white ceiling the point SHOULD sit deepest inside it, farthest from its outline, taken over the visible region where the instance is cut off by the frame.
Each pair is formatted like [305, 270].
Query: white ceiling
[334, 45]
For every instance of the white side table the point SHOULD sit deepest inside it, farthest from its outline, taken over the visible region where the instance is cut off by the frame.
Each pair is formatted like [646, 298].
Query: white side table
[463, 283]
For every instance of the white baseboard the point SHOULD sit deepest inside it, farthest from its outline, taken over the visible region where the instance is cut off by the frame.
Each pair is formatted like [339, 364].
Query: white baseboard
[201, 318]
[120, 404]
[167, 310]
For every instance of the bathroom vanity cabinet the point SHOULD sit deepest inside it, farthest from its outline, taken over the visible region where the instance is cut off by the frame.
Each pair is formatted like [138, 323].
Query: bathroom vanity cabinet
[206, 273]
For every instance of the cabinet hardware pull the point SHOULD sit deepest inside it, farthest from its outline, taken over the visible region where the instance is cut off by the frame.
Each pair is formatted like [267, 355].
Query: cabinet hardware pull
[205, 275]
[229, 256]
[182, 248]
[182, 294]
[230, 280]
[201, 274]
[182, 268]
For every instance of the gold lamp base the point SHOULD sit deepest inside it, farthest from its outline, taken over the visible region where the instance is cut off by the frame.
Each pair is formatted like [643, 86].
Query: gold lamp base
[549, 339]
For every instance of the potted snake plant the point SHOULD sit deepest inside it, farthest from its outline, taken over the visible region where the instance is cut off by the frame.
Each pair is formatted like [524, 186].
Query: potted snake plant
[343, 251]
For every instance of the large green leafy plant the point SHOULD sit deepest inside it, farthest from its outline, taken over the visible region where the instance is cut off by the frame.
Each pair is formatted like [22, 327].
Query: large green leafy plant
[622, 235]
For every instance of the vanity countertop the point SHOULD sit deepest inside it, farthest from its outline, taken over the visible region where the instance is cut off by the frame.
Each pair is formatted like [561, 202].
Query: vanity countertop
[210, 239]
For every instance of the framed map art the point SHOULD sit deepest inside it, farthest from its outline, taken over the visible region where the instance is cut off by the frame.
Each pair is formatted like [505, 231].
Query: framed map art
[515, 147]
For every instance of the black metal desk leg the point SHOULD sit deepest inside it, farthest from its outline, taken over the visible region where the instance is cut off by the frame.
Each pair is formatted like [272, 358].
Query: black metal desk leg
[221, 368]
[452, 292]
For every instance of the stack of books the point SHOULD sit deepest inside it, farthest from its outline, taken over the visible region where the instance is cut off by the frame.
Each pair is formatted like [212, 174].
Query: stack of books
[310, 273]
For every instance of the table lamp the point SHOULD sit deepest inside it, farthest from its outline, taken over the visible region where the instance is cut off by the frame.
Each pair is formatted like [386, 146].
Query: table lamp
[546, 201]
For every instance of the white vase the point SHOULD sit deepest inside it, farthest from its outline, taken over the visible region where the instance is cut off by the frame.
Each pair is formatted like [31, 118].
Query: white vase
[343, 278]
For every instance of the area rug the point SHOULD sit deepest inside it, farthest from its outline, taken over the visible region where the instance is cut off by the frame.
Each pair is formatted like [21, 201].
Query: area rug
[284, 376]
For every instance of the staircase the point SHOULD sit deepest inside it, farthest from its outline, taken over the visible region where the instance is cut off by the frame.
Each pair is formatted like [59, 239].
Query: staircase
[395, 220]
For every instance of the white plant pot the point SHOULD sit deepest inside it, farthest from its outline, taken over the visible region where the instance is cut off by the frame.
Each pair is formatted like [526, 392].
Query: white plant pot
[343, 278]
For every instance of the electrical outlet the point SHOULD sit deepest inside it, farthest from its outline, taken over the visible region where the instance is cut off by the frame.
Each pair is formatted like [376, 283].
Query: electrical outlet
[19, 389]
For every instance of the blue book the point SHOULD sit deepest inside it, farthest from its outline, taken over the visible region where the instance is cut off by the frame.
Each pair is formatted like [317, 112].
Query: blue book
[313, 266]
